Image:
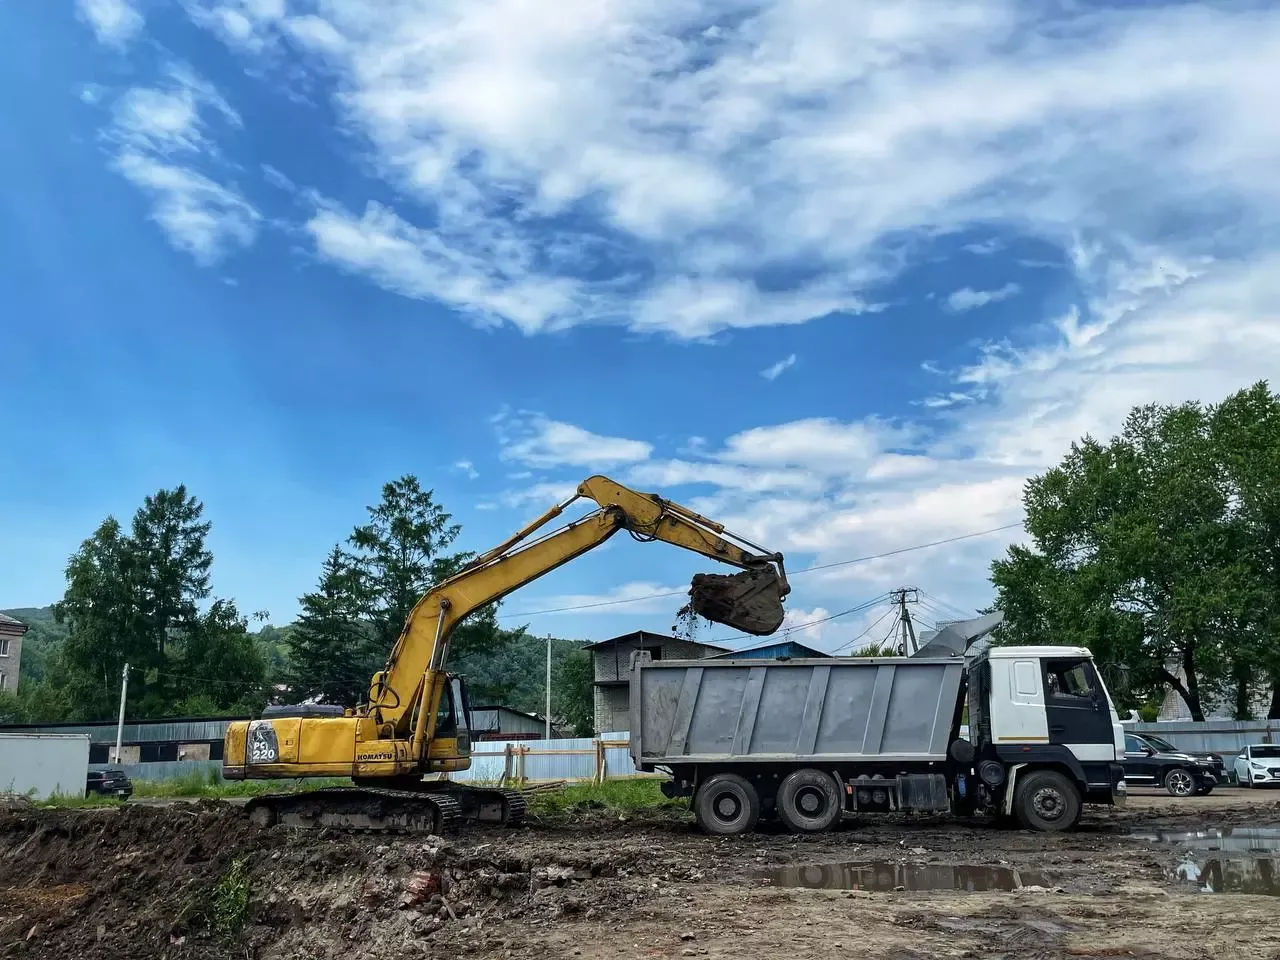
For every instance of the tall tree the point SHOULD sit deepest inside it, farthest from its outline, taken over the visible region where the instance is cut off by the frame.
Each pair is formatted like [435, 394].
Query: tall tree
[101, 610]
[400, 554]
[1246, 432]
[331, 653]
[171, 562]
[1139, 553]
[573, 692]
[221, 667]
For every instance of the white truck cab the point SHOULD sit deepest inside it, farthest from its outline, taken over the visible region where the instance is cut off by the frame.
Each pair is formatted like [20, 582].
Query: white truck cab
[1043, 714]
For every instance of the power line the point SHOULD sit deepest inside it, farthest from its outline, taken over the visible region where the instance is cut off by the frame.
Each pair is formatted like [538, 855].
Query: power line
[787, 631]
[875, 624]
[794, 573]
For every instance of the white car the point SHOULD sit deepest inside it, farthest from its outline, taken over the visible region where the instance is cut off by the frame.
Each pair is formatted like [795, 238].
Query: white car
[1258, 765]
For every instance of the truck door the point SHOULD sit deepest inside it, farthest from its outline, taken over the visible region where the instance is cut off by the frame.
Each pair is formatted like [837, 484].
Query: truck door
[1078, 711]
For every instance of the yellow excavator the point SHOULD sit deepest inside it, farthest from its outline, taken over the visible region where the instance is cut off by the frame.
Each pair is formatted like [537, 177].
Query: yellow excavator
[415, 725]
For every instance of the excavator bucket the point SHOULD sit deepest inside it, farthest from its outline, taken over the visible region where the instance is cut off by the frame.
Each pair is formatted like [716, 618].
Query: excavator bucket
[750, 601]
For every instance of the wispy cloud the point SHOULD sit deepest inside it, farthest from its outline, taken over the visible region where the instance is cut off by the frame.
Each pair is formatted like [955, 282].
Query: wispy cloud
[984, 248]
[114, 22]
[536, 441]
[969, 299]
[629, 164]
[200, 217]
[164, 146]
[775, 371]
[468, 468]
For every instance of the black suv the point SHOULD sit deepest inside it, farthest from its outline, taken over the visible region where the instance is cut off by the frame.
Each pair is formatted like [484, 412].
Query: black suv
[1153, 762]
[108, 783]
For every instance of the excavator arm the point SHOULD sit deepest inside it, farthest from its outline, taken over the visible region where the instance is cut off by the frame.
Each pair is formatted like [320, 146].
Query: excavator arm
[750, 601]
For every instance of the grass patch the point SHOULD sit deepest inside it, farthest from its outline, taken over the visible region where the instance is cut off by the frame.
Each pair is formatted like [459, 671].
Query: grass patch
[194, 786]
[220, 912]
[613, 796]
[211, 784]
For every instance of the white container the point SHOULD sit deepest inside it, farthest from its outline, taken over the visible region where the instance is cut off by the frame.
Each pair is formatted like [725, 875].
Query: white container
[41, 765]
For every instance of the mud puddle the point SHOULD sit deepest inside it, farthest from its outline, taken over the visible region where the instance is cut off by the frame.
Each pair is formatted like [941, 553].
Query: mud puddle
[885, 876]
[1244, 859]
[1243, 839]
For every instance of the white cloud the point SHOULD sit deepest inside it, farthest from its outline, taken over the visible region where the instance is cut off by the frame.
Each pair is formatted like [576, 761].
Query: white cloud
[168, 120]
[114, 22]
[200, 217]
[970, 299]
[160, 134]
[775, 371]
[468, 468]
[984, 248]
[537, 441]
[627, 163]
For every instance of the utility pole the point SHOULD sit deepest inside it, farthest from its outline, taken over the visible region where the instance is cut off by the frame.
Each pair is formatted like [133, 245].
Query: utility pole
[124, 689]
[902, 597]
[548, 686]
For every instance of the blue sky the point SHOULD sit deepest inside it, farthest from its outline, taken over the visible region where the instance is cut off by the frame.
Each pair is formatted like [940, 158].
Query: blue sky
[841, 275]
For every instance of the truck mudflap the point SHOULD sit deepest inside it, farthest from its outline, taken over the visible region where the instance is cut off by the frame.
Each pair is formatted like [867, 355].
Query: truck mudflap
[1119, 789]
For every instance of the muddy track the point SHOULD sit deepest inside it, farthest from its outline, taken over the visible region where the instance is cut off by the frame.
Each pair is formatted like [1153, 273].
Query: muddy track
[163, 882]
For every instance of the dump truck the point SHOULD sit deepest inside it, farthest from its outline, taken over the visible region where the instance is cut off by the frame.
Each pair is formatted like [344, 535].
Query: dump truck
[807, 740]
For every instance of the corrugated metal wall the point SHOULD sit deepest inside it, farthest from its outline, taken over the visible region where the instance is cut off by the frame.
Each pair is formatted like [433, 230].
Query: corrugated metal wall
[42, 764]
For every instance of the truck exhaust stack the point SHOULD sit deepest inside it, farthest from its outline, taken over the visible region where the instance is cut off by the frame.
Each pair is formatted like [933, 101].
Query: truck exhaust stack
[750, 601]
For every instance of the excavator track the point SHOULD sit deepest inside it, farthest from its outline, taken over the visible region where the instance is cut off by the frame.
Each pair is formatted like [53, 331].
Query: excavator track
[431, 809]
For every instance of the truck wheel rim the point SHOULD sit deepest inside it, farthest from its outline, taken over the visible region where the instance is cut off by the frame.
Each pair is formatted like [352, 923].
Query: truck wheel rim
[1047, 803]
[727, 806]
[810, 802]
[1181, 783]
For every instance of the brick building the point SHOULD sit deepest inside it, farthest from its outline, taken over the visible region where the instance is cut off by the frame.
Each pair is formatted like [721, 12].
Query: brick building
[11, 632]
[612, 659]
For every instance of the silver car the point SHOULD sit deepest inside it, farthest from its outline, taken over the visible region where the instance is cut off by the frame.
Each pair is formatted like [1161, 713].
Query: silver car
[1258, 765]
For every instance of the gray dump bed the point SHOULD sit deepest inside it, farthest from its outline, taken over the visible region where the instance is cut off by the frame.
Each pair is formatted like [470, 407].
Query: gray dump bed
[871, 709]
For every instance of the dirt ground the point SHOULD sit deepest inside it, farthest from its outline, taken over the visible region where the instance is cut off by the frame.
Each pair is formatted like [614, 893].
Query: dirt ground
[150, 881]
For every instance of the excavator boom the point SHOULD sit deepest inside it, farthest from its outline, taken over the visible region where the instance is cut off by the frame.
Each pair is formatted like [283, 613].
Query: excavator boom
[409, 725]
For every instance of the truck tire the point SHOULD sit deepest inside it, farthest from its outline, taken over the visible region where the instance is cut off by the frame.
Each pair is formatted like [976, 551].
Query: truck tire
[1179, 782]
[1047, 801]
[809, 801]
[727, 804]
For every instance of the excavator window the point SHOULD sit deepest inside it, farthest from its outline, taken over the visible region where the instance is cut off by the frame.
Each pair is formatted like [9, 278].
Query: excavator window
[446, 715]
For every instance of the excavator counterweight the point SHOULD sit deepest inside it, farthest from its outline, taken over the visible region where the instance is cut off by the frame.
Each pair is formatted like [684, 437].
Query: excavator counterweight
[400, 745]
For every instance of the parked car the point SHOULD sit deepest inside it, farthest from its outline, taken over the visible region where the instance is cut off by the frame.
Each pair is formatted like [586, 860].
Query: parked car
[1154, 762]
[108, 783]
[1258, 765]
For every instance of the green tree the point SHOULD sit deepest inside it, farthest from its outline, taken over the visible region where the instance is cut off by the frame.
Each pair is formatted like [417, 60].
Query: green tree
[350, 624]
[101, 611]
[136, 598]
[171, 563]
[221, 664]
[573, 691]
[1246, 432]
[332, 655]
[1138, 552]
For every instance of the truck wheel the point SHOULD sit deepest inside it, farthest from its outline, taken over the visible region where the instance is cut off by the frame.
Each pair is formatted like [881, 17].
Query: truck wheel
[1047, 801]
[809, 801]
[727, 804]
[1179, 782]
